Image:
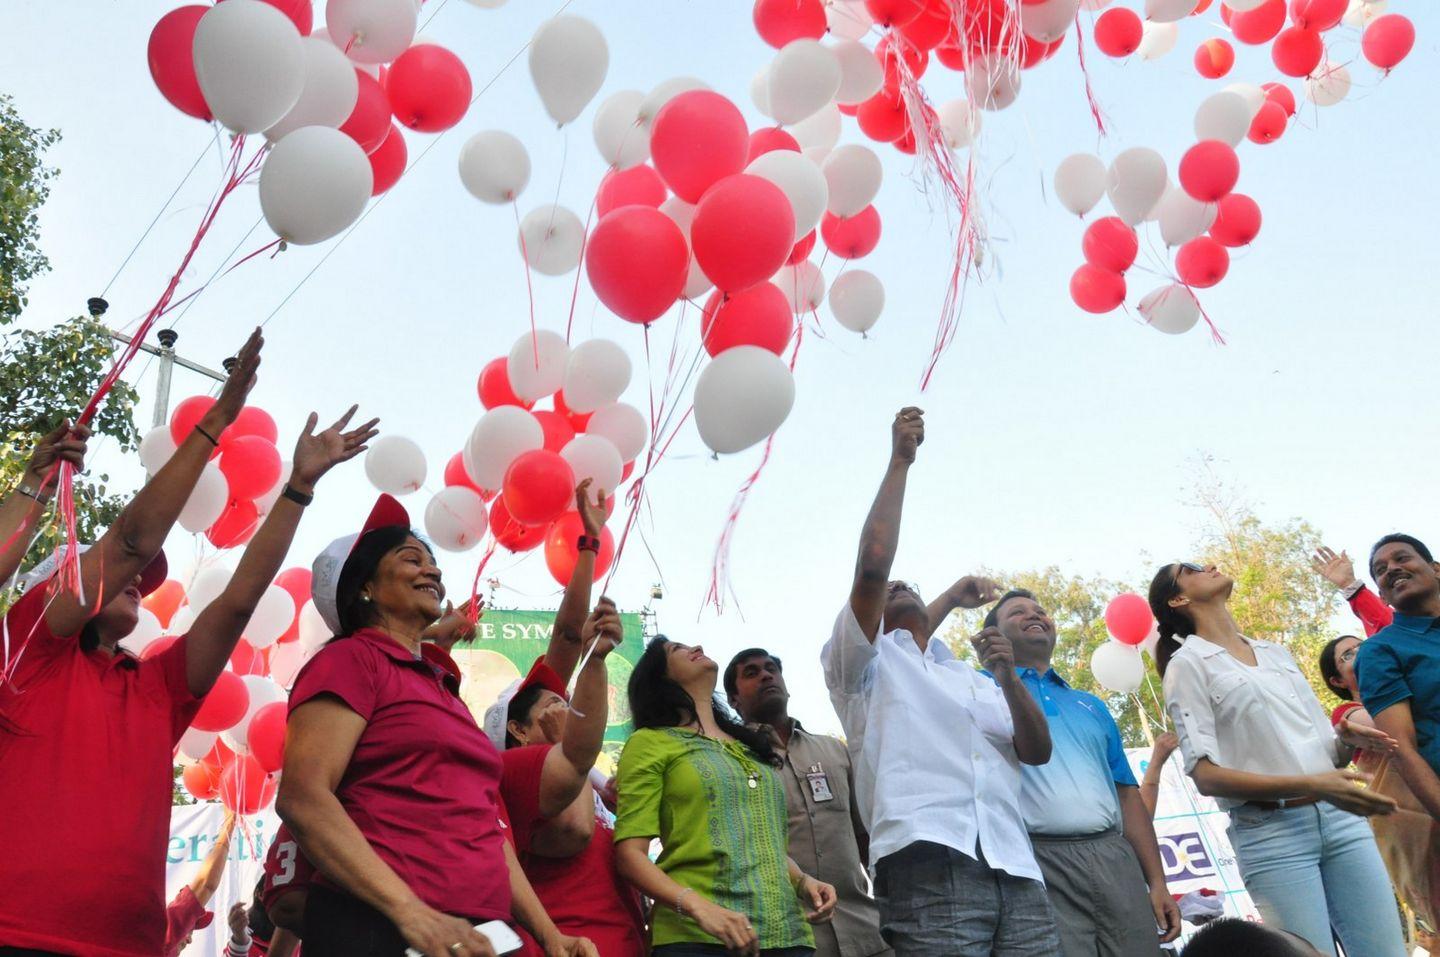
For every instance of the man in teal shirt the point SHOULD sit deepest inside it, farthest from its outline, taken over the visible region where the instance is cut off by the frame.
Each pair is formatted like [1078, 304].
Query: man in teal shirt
[1089, 827]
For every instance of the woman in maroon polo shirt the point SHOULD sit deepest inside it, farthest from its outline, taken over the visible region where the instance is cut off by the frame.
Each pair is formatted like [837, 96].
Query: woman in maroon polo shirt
[390, 786]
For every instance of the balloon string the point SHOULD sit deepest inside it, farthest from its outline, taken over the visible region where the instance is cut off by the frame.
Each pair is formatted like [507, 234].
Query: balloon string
[1089, 90]
[472, 607]
[1215, 335]
[529, 287]
[579, 267]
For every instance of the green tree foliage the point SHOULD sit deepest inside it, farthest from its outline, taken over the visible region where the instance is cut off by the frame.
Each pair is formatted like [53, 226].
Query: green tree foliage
[24, 185]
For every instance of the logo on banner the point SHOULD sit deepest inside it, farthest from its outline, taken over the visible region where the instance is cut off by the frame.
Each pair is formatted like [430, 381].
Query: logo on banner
[1185, 857]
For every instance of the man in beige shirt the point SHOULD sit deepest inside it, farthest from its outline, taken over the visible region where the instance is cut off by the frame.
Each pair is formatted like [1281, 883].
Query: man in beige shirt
[827, 838]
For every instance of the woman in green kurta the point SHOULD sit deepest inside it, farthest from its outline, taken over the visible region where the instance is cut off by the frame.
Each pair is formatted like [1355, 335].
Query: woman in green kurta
[707, 787]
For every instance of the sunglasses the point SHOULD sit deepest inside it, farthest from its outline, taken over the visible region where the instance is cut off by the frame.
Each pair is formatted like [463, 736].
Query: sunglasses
[1185, 567]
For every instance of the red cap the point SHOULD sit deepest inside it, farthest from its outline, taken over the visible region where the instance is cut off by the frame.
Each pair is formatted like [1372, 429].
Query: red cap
[387, 511]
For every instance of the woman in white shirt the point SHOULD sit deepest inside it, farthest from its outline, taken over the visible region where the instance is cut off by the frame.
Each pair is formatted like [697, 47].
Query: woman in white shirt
[1255, 737]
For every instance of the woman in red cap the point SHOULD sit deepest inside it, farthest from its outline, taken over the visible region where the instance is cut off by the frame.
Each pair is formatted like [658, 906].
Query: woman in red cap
[87, 730]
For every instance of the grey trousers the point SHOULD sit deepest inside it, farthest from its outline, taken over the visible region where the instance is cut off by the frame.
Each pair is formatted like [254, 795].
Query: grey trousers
[1101, 902]
[937, 902]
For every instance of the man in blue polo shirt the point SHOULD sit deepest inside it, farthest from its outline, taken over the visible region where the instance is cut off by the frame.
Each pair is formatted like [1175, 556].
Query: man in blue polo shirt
[1399, 667]
[1089, 827]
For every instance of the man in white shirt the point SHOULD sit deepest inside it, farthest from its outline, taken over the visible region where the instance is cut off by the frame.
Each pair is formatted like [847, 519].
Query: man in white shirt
[937, 749]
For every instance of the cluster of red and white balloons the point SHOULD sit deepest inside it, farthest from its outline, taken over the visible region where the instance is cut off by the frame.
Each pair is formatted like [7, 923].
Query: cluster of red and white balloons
[244, 477]
[1117, 664]
[328, 99]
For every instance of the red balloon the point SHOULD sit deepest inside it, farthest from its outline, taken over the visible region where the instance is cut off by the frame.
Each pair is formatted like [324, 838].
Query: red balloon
[558, 430]
[455, 474]
[266, 736]
[1128, 618]
[894, 13]
[1269, 123]
[253, 421]
[1202, 262]
[224, 705]
[187, 416]
[848, 109]
[769, 138]
[494, 386]
[577, 420]
[538, 486]
[892, 54]
[429, 88]
[1317, 15]
[246, 660]
[743, 231]
[562, 551]
[1214, 58]
[219, 756]
[202, 780]
[164, 601]
[296, 581]
[172, 61]
[1097, 290]
[758, 316]
[884, 117]
[1237, 221]
[1280, 93]
[1388, 40]
[636, 186]
[801, 250]
[158, 645]
[251, 465]
[1118, 32]
[697, 138]
[387, 163]
[780, 21]
[930, 28]
[1110, 244]
[1297, 51]
[515, 536]
[236, 525]
[1209, 170]
[1259, 25]
[369, 122]
[853, 237]
[245, 787]
[637, 261]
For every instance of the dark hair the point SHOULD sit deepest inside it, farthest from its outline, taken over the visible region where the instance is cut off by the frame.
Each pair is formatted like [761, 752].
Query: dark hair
[89, 637]
[1330, 668]
[1410, 540]
[1169, 622]
[359, 569]
[519, 710]
[733, 668]
[1232, 935]
[992, 617]
[657, 701]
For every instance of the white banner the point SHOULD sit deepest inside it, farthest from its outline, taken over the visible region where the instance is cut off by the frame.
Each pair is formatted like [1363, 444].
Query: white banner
[192, 833]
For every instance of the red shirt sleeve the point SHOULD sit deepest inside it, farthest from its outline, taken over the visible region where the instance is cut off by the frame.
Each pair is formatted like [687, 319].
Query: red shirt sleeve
[520, 790]
[345, 669]
[170, 664]
[1340, 712]
[1373, 613]
[27, 640]
[181, 916]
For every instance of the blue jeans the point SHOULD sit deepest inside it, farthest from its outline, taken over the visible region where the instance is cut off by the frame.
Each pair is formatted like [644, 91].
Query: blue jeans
[1313, 868]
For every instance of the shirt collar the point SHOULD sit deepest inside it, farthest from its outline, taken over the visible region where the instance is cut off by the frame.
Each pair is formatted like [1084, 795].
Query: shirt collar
[1206, 648]
[404, 656]
[1418, 623]
[934, 650]
[1050, 675]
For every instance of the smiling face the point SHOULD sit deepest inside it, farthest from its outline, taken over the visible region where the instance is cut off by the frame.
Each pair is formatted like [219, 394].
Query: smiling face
[760, 692]
[1407, 582]
[406, 584]
[1030, 630]
[687, 664]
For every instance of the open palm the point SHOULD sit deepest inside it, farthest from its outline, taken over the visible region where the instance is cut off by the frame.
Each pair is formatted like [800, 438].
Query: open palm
[318, 452]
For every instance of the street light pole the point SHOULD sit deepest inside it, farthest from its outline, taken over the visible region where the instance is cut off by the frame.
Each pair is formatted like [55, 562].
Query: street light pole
[165, 352]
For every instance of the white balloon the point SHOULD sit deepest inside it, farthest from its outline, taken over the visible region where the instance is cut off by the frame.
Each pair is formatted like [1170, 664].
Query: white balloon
[273, 615]
[314, 184]
[250, 64]
[1156, 39]
[266, 502]
[1135, 183]
[959, 123]
[1169, 11]
[1253, 95]
[487, 4]
[328, 97]
[286, 661]
[551, 238]
[802, 183]
[816, 154]
[1090, 6]
[494, 166]
[742, 396]
[1080, 182]
[1244, 6]
[371, 31]
[181, 621]
[1049, 20]
[819, 130]
[147, 629]
[156, 448]
[853, 174]
[804, 76]
[204, 588]
[664, 93]
[568, 62]
[992, 82]
[536, 364]
[624, 426]
[1182, 217]
[1328, 85]
[696, 282]
[596, 373]
[619, 137]
[313, 632]
[195, 744]
[395, 465]
[848, 19]
[861, 75]
[456, 518]
[1117, 667]
[208, 499]
[1223, 116]
[760, 91]
[1154, 215]
[803, 285]
[1360, 12]
[1170, 309]
[857, 297]
[497, 439]
[596, 458]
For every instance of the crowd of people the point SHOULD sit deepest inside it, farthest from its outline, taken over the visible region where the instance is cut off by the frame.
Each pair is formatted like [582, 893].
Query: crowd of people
[969, 811]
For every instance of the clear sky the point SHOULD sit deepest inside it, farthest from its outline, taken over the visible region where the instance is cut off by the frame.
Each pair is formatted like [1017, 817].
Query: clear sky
[1054, 436]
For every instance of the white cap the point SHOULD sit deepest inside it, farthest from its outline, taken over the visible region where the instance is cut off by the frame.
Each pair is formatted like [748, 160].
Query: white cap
[325, 573]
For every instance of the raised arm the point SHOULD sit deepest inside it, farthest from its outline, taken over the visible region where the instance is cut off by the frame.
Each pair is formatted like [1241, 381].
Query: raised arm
[136, 536]
[972, 591]
[880, 537]
[1339, 571]
[24, 507]
[219, 626]
[207, 880]
[1032, 732]
[567, 766]
[566, 639]
[1160, 752]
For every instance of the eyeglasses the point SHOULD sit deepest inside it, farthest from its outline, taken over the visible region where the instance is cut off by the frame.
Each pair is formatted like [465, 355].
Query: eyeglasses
[1349, 656]
[911, 587]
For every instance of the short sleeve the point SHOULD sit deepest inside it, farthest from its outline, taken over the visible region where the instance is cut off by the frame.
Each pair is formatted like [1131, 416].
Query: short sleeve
[1341, 711]
[848, 655]
[1382, 679]
[1120, 771]
[520, 776]
[641, 785]
[170, 664]
[345, 669]
[27, 640]
[1187, 700]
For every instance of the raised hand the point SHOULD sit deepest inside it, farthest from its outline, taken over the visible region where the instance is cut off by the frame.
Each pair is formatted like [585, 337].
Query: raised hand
[237, 387]
[907, 434]
[1338, 570]
[317, 453]
[973, 591]
[996, 654]
[64, 443]
[239, 919]
[592, 514]
[603, 627]
[454, 626]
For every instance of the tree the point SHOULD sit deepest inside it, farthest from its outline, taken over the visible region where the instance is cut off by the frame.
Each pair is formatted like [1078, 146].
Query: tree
[24, 186]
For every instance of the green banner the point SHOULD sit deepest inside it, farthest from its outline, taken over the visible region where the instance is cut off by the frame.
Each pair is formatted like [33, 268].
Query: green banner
[507, 643]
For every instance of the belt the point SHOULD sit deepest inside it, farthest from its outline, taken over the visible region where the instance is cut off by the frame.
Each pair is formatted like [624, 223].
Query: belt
[1283, 803]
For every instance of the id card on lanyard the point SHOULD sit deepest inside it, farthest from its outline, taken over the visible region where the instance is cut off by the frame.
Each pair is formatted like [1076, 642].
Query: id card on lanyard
[819, 783]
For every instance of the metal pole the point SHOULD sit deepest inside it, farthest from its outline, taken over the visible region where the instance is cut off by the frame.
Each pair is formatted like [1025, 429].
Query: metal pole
[165, 352]
[162, 389]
